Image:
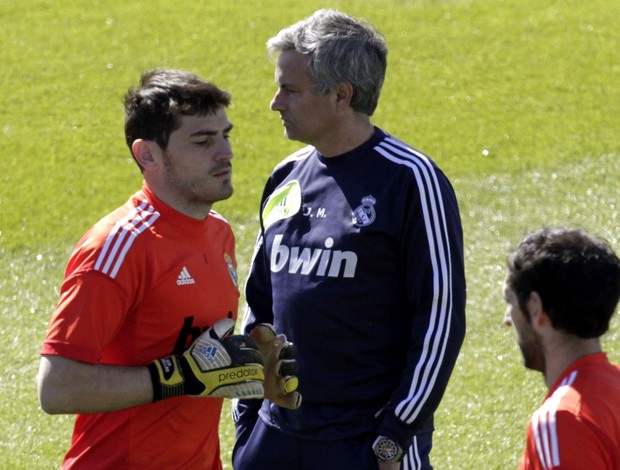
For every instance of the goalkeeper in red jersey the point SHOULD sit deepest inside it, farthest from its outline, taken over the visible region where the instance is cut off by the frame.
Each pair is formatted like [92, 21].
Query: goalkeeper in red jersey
[562, 288]
[148, 303]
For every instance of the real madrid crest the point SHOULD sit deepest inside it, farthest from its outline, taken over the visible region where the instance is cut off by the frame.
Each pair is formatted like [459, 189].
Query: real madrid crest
[364, 214]
[231, 269]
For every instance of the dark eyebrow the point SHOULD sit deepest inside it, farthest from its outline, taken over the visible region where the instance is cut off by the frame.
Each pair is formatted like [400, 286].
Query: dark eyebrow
[206, 132]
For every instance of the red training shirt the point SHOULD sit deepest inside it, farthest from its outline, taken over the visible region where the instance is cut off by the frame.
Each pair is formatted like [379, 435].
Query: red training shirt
[578, 425]
[142, 284]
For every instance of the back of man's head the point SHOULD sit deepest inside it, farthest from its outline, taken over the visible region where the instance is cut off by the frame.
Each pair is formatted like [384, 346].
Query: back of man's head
[576, 275]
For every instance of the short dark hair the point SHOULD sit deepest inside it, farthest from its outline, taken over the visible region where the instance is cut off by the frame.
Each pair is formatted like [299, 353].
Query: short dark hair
[152, 108]
[577, 276]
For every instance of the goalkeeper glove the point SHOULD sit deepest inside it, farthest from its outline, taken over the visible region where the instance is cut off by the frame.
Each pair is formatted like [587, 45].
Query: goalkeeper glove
[217, 364]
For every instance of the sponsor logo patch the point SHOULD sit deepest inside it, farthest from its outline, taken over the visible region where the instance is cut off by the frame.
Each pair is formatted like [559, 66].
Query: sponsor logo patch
[317, 262]
[284, 202]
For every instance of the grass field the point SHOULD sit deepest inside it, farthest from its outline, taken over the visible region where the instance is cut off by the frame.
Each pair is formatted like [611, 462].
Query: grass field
[517, 100]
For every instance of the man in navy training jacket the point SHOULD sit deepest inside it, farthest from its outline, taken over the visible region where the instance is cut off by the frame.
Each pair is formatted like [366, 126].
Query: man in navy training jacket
[359, 261]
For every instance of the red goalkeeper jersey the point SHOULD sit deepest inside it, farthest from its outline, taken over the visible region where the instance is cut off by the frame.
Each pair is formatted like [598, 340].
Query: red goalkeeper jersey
[578, 425]
[142, 284]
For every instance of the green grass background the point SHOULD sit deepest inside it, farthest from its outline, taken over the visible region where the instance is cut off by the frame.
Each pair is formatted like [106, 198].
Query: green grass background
[517, 100]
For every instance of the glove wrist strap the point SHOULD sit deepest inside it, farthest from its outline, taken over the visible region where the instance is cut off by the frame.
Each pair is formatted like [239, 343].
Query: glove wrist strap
[167, 378]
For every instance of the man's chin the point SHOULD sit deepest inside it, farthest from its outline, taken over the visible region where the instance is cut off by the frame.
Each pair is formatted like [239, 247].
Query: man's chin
[228, 193]
[224, 194]
[290, 133]
[532, 363]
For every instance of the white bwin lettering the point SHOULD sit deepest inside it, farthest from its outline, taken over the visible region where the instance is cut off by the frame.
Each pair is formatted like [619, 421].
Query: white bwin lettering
[327, 262]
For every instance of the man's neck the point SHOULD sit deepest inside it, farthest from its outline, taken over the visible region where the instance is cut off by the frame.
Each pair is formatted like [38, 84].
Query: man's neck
[198, 211]
[346, 137]
[562, 350]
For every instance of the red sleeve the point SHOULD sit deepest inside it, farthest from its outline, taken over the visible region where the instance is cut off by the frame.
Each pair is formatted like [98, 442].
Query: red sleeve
[90, 310]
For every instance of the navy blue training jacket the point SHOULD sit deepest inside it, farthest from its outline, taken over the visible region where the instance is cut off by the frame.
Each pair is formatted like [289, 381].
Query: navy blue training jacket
[359, 261]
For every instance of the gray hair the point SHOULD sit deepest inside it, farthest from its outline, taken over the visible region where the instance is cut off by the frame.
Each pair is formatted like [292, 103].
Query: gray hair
[341, 49]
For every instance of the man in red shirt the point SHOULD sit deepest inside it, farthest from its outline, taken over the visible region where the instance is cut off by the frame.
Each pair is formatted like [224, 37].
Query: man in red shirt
[562, 288]
[149, 299]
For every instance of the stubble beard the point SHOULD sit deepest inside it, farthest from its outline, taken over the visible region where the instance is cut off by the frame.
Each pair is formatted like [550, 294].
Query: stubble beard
[192, 190]
[533, 355]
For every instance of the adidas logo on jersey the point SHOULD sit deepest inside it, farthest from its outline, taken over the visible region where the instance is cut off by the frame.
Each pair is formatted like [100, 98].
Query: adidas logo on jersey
[185, 278]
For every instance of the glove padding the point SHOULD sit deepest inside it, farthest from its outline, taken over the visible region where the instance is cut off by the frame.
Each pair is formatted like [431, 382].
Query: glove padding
[217, 364]
[279, 358]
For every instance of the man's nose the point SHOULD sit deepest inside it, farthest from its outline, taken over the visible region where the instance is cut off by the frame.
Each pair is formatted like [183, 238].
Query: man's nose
[277, 102]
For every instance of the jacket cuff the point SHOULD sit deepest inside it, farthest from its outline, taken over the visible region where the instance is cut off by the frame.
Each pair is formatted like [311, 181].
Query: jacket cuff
[401, 432]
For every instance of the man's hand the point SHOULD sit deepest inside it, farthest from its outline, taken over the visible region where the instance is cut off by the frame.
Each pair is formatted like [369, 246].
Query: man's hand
[279, 358]
[217, 364]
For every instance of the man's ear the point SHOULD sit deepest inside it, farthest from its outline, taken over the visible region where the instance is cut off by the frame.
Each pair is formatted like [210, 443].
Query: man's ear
[344, 95]
[147, 153]
[536, 310]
